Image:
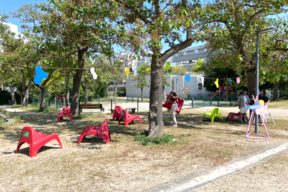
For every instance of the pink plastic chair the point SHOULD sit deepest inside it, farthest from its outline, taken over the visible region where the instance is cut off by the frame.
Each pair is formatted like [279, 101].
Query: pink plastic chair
[168, 104]
[66, 112]
[117, 112]
[127, 117]
[102, 131]
[35, 139]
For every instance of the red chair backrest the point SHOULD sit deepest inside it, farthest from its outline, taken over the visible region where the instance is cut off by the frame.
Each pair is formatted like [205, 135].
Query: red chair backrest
[29, 135]
[118, 109]
[168, 104]
[104, 125]
[66, 110]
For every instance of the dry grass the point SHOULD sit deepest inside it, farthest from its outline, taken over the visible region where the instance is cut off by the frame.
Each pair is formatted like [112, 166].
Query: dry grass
[123, 164]
[283, 104]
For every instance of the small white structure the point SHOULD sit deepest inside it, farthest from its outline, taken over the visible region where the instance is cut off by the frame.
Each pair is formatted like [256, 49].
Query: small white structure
[176, 82]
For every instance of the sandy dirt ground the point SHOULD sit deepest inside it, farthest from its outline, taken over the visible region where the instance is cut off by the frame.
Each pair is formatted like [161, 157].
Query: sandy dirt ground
[123, 164]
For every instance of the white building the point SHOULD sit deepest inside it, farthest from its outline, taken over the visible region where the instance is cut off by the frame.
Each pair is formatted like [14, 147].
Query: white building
[177, 82]
[188, 57]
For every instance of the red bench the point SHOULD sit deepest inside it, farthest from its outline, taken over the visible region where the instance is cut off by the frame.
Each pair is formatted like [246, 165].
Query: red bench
[168, 104]
[102, 131]
[35, 139]
[117, 112]
[128, 117]
[232, 115]
[66, 112]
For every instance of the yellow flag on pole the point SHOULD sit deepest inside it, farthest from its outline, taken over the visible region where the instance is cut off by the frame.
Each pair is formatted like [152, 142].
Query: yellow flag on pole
[127, 70]
[216, 83]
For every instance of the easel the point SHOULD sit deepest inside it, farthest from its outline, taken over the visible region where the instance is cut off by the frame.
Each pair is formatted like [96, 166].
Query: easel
[184, 92]
[248, 132]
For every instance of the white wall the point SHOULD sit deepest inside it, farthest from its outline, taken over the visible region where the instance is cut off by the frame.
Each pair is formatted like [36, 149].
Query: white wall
[179, 82]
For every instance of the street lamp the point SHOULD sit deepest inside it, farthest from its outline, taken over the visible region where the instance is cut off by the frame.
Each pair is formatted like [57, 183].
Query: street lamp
[257, 68]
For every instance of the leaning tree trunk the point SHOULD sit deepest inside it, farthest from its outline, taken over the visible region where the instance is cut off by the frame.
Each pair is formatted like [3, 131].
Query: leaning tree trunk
[42, 100]
[141, 94]
[276, 91]
[67, 89]
[85, 93]
[156, 128]
[12, 94]
[26, 94]
[251, 83]
[21, 98]
[77, 81]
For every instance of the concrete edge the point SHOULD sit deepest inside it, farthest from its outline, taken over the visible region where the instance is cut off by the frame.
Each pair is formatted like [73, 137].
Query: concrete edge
[170, 185]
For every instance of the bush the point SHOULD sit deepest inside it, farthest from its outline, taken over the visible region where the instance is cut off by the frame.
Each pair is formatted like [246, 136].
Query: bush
[121, 93]
[166, 138]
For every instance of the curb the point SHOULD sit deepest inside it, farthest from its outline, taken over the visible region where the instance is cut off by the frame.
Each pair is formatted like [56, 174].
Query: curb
[196, 181]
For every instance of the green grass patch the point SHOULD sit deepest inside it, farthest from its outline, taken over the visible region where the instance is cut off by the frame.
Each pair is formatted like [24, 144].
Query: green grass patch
[142, 137]
[83, 116]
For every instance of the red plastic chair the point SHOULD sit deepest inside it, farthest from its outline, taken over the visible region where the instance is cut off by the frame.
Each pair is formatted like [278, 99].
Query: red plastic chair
[127, 117]
[168, 104]
[66, 112]
[117, 112]
[232, 115]
[35, 139]
[102, 131]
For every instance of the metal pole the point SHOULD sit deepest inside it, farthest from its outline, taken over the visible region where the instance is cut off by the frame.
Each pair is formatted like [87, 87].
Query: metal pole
[257, 79]
[137, 104]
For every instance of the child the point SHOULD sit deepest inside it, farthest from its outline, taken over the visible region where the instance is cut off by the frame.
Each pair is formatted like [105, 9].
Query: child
[174, 107]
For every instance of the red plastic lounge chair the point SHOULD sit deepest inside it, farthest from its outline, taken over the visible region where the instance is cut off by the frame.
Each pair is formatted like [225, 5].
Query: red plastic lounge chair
[35, 139]
[232, 115]
[117, 112]
[102, 131]
[168, 104]
[66, 112]
[127, 117]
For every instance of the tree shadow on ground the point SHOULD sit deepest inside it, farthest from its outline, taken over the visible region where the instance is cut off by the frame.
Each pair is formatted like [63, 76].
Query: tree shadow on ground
[25, 151]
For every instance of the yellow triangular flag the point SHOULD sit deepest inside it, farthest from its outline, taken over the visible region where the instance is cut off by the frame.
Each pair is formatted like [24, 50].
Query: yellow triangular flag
[127, 70]
[216, 83]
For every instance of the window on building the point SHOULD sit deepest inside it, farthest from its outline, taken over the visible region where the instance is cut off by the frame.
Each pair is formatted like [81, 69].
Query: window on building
[199, 86]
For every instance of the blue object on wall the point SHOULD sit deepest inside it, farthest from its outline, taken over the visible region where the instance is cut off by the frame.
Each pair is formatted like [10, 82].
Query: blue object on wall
[40, 75]
[229, 81]
[187, 77]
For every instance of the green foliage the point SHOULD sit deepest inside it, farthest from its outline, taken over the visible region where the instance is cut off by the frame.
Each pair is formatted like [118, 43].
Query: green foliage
[199, 66]
[142, 137]
[179, 70]
[211, 74]
[167, 68]
[121, 93]
[143, 71]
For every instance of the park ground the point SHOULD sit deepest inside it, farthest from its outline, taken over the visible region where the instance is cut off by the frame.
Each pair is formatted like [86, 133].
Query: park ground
[127, 165]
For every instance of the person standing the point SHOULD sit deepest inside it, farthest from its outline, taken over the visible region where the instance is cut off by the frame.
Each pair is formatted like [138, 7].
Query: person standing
[174, 107]
[266, 100]
[243, 101]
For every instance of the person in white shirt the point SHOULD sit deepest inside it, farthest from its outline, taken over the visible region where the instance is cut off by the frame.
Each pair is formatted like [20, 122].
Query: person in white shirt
[243, 101]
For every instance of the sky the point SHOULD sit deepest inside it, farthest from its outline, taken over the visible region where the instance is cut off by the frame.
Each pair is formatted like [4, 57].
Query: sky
[7, 6]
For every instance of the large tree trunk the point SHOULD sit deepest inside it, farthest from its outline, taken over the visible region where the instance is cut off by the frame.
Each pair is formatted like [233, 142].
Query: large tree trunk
[141, 94]
[85, 93]
[26, 94]
[156, 128]
[67, 89]
[276, 91]
[77, 81]
[42, 99]
[21, 98]
[12, 91]
[251, 83]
